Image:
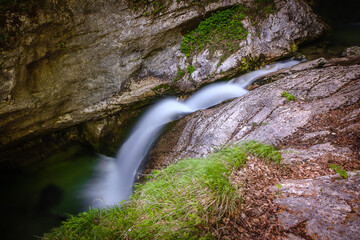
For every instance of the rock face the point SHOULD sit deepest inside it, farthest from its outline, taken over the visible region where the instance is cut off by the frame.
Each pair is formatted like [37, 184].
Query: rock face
[266, 116]
[321, 127]
[328, 205]
[77, 61]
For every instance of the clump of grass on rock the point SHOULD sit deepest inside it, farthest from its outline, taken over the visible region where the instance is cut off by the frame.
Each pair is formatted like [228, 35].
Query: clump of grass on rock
[183, 201]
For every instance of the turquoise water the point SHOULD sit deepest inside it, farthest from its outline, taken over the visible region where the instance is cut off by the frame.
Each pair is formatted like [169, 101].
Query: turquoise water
[39, 197]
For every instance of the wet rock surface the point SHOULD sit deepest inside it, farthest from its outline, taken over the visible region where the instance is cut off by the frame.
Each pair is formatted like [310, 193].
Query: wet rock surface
[266, 116]
[80, 61]
[318, 130]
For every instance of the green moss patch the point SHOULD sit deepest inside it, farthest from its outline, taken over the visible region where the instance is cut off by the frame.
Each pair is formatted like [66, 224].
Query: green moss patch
[191, 69]
[288, 96]
[164, 89]
[222, 30]
[161, 88]
[180, 74]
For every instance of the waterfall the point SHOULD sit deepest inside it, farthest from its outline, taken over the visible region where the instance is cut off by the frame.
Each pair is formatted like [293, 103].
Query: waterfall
[115, 176]
[246, 79]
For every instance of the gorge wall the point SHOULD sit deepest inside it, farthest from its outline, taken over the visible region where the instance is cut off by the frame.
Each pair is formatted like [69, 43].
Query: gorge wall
[78, 65]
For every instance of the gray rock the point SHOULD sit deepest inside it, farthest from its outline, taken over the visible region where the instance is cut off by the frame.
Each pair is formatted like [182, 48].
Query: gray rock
[265, 116]
[328, 205]
[321, 125]
[351, 51]
[79, 61]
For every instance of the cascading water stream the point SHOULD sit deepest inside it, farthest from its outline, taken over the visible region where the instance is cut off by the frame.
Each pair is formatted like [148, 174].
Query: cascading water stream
[116, 175]
[245, 80]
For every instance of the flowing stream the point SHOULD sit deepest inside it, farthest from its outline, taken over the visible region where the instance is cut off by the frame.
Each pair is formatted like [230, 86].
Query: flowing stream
[115, 176]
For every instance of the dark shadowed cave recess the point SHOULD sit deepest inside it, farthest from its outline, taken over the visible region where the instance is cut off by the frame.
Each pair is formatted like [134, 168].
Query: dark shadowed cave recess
[337, 13]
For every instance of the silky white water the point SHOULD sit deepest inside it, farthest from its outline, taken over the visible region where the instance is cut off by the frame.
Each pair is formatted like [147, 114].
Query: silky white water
[115, 176]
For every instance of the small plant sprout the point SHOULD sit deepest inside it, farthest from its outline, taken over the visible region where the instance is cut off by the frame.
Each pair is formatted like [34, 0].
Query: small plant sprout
[279, 186]
[288, 97]
[191, 69]
[337, 169]
[60, 44]
[294, 47]
[180, 74]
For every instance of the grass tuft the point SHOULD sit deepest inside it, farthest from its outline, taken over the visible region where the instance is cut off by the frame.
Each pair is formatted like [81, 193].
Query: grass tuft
[185, 200]
[260, 150]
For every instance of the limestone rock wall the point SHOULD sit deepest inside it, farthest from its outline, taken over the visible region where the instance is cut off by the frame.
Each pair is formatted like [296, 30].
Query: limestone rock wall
[70, 62]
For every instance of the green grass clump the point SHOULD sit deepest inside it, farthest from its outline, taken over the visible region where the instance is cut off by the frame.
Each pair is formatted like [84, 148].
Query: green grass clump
[183, 201]
[191, 69]
[222, 30]
[267, 152]
[288, 97]
[180, 74]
